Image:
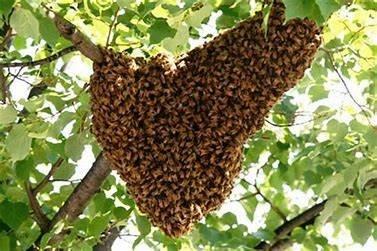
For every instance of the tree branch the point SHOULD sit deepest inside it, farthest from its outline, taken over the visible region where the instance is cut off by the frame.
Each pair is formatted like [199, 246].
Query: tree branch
[343, 81]
[108, 240]
[79, 198]
[47, 60]
[41, 219]
[7, 38]
[111, 27]
[78, 39]
[83, 192]
[285, 229]
[3, 86]
[273, 207]
[46, 179]
[3, 79]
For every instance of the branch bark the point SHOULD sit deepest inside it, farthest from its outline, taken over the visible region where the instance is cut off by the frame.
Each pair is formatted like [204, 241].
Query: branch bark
[83, 192]
[108, 241]
[46, 60]
[40, 217]
[3, 86]
[285, 229]
[77, 201]
[78, 39]
[46, 179]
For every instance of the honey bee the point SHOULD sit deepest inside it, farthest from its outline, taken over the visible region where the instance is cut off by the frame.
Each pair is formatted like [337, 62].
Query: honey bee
[175, 129]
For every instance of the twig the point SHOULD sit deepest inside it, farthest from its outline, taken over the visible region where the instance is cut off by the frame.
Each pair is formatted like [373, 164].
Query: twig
[296, 124]
[111, 27]
[288, 125]
[360, 214]
[15, 76]
[7, 37]
[286, 228]
[47, 60]
[273, 207]
[3, 86]
[108, 239]
[40, 217]
[342, 80]
[46, 179]
[21, 79]
[244, 197]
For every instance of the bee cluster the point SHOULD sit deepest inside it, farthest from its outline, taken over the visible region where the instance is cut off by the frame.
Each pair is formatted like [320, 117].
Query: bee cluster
[174, 131]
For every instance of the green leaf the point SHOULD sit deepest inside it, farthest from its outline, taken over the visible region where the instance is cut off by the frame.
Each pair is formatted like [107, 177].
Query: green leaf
[302, 9]
[330, 206]
[7, 114]
[121, 213]
[197, 17]
[317, 92]
[45, 239]
[23, 168]
[48, 31]
[98, 225]
[327, 7]
[137, 241]
[181, 38]
[143, 224]
[4, 243]
[341, 213]
[124, 3]
[24, 23]
[32, 105]
[337, 130]
[18, 142]
[102, 204]
[13, 214]
[65, 171]
[159, 31]
[6, 6]
[64, 119]
[371, 137]
[74, 146]
[361, 229]
[229, 219]
[209, 233]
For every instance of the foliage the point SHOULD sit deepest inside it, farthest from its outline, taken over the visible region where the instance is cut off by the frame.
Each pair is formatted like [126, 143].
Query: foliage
[319, 143]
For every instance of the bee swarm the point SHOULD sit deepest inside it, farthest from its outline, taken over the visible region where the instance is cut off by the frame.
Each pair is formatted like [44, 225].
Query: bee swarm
[174, 130]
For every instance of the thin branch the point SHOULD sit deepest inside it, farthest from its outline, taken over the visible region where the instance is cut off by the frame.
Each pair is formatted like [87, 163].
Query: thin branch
[3, 86]
[343, 81]
[43, 61]
[111, 27]
[41, 219]
[108, 239]
[78, 39]
[286, 228]
[273, 207]
[46, 179]
[360, 214]
[317, 116]
[81, 195]
[244, 197]
[7, 38]
[15, 76]
[288, 125]
[21, 79]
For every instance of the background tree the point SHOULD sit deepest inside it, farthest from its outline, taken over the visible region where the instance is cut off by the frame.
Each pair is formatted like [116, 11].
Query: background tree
[309, 175]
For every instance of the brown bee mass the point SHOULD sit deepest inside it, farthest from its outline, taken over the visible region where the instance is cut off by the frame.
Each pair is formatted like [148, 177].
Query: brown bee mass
[174, 130]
